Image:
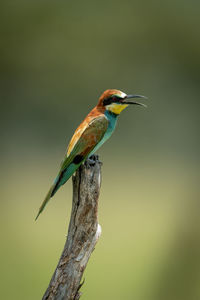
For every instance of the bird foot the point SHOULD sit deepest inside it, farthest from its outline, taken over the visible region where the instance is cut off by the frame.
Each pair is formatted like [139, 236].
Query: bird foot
[92, 160]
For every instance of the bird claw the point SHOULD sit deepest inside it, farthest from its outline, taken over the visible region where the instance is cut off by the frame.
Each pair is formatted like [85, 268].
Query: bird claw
[92, 160]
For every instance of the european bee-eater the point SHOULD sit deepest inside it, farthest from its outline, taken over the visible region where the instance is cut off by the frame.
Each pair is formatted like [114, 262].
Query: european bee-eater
[97, 127]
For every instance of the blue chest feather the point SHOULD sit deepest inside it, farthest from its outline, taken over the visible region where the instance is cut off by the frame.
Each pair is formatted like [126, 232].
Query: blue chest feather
[112, 118]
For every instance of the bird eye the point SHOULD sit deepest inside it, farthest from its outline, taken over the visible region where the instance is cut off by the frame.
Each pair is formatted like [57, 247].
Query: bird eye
[116, 98]
[111, 99]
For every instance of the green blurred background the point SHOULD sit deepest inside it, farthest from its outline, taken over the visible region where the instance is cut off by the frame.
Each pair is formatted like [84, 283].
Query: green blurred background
[56, 58]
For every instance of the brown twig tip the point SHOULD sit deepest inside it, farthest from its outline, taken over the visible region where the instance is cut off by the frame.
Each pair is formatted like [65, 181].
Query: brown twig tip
[83, 233]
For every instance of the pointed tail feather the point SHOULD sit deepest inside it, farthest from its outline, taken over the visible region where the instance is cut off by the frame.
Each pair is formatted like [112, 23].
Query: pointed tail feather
[62, 177]
[47, 198]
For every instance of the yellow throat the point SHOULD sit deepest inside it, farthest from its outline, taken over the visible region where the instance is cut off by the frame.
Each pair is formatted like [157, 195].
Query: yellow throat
[116, 108]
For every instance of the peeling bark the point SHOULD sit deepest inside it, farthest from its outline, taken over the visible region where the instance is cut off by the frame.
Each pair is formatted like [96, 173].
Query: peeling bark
[83, 234]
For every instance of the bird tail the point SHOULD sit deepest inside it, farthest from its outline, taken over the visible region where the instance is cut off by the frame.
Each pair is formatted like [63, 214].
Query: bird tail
[46, 200]
[62, 177]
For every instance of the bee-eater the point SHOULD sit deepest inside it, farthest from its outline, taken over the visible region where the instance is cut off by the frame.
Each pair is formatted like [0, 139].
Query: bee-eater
[95, 129]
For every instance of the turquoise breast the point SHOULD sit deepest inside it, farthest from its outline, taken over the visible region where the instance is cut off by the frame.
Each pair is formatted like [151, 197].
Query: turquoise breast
[112, 118]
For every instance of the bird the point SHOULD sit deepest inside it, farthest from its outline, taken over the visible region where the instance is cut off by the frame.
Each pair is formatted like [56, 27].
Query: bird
[90, 135]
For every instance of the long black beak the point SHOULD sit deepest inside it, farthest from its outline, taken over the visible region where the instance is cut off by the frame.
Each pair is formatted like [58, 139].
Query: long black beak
[126, 101]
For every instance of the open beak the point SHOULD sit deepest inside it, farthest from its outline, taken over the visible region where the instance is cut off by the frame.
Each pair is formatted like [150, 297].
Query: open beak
[126, 101]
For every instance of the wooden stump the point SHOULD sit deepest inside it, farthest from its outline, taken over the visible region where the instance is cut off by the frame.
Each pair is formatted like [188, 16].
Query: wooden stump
[83, 233]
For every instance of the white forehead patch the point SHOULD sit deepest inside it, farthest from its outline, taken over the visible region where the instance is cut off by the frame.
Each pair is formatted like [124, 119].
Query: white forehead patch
[123, 95]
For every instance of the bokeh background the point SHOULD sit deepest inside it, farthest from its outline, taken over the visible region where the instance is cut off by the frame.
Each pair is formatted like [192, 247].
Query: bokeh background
[56, 58]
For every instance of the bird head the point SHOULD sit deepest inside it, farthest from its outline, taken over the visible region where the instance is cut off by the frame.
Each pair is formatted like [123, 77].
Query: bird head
[115, 101]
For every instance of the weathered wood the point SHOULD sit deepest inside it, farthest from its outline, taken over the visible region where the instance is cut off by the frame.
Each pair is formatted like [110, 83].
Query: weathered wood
[83, 234]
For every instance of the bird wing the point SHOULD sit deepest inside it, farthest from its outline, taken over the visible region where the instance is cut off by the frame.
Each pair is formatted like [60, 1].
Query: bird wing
[91, 135]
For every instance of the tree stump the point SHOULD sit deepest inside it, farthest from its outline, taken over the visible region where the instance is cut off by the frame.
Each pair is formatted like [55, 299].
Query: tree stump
[83, 233]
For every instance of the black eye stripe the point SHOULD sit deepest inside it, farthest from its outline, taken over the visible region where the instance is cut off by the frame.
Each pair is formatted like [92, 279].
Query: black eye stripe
[111, 99]
[107, 101]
